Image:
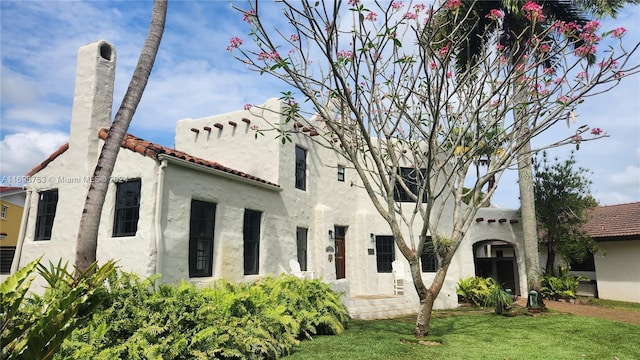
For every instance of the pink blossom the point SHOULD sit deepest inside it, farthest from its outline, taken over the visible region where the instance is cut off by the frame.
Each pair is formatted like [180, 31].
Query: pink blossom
[576, 138]
[247, 106]
[433, 65]
[397, 5]
[248, 16]
[495, 102]
[533, 11]
[254, 127]
[449, 74]
[563, 100]
[263, 55]
[354, 2]
[345, 54]
[566, 28]
[443, 51]
[499, 47]
[608, 63]
[589, 37]
[419, 7]
[585, 50]
[494, 14]
[453, 4]
[545, 48]
[409, 15]
[582, 75]
[371, 16]
[294, 37]
[619, 32]
[549, 71]
[596, 131]
[591, 26]
[234, 43]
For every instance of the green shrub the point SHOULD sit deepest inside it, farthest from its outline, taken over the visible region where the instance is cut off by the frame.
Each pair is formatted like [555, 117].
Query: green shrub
[484, 292]
[33, 326]
[475, 290]
[227, 320]
[563, 286]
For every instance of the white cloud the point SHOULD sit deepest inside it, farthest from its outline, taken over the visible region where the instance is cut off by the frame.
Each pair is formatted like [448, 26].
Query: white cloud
[22, 151]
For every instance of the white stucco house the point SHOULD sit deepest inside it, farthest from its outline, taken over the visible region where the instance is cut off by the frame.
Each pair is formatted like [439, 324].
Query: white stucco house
[615, 269]
[225, 204]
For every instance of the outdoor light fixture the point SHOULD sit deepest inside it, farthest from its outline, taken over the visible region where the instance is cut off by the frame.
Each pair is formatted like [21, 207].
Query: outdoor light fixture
[330, 234]
[373, 238]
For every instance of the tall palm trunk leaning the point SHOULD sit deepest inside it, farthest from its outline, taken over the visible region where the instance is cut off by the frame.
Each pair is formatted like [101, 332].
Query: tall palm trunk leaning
[87, 241]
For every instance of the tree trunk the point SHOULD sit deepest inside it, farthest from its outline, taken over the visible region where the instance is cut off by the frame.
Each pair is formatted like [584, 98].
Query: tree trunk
[427, 296]
[87, 241]
[550, 268]
[528, 214]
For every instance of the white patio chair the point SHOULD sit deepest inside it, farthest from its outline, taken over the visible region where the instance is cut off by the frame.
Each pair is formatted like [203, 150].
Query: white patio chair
[297, 272]
[397, 268]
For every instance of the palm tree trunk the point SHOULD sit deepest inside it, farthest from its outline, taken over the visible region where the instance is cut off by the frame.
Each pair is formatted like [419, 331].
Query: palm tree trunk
[528, 215]
[87, 241]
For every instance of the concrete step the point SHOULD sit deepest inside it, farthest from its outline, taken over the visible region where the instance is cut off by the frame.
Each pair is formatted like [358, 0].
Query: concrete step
[368, 308]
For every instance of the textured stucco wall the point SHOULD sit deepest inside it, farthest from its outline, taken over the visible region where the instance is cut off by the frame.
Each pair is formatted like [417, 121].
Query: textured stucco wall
[618, 270]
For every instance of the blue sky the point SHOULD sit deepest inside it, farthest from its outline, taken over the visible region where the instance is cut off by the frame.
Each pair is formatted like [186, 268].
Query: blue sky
[194, 76]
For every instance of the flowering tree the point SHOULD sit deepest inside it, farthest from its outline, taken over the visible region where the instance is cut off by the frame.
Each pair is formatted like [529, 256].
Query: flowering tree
[511, 26]
[386, 95]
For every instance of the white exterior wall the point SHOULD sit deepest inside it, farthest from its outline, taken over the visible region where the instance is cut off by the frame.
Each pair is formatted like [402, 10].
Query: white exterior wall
[618, 271]
[133, 253]
[325, 203]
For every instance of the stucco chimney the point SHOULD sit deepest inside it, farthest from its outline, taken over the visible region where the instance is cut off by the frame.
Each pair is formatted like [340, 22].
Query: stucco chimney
[92, 101]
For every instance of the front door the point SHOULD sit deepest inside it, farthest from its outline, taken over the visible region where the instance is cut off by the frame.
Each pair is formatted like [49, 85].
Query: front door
[340, 257]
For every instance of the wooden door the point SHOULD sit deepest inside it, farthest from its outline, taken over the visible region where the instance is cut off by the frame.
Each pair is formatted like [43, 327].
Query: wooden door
[340, 258]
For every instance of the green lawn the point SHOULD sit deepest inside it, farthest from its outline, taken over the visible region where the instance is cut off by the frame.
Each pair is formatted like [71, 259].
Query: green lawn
[621, 305]
[469, 335]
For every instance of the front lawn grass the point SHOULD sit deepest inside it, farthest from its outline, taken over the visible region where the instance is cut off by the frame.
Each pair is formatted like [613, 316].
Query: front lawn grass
[612, 304]
[480, 335]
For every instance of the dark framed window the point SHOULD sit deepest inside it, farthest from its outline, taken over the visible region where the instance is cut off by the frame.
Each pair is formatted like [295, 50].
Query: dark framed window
[47, 204]
[251, 234]
[301, 246]
[385, 253]
[428, 259]
[412, 179]
[127, 208]
[201, 231]
[301, 168]
[340, 173]
[587, 264]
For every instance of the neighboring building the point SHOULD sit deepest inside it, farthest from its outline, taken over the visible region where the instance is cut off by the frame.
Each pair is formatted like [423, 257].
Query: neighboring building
[11, 205]
[182, 213]
[616, 230]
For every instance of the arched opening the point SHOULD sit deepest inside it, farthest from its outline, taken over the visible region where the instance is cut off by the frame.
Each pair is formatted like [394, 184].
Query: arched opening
[497, 259]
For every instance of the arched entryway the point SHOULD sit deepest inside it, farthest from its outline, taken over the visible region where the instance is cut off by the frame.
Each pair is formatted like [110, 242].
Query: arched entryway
[497, 259]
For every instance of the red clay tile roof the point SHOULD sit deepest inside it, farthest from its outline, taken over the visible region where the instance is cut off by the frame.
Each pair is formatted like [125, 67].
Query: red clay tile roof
[614, 221]
[152, 150]
[44, 164]
[6, 189]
